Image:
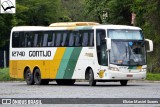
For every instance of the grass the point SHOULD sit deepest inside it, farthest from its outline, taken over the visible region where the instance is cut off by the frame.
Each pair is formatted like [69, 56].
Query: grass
[153, 76]
[4, 76]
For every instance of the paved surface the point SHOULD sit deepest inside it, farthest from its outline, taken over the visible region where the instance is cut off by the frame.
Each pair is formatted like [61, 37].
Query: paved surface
[81, 90]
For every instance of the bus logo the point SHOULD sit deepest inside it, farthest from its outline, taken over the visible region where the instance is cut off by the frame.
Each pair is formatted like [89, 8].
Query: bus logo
[7, 6]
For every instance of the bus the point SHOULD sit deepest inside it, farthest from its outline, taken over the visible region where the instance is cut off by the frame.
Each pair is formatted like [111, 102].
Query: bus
[68, 51]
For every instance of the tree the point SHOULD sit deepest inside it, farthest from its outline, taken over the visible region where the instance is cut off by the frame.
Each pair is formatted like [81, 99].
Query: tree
[7, 21]
[148, 13]
[120, 11]
[95, 9]
[38, 12]
[75, 10]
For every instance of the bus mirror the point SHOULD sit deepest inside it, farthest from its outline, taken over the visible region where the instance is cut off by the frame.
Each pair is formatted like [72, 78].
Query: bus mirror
[108, 40]
[149, 45]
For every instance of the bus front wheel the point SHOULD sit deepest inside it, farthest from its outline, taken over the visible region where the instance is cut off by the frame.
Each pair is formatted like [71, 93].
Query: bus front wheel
[92, 82]
[29, 77]
[123, 82]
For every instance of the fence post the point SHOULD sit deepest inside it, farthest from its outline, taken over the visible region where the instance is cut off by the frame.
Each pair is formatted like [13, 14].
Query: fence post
[4, 59]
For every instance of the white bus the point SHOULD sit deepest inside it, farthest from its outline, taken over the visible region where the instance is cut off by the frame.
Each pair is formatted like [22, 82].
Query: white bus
[65, 52]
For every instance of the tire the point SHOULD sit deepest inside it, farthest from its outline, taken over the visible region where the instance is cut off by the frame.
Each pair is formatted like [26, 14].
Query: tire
[29, 77]
[123, 82]
[37, 77]
[65, 82]
[92, 82]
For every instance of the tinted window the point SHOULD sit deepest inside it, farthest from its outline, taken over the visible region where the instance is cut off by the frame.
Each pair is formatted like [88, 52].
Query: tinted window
[71, 39]
[64, 39]
[15, 39]
[82, 38]
[87, 38]
[58, 39]
[28, 39]
[22, 39]
[101, 47]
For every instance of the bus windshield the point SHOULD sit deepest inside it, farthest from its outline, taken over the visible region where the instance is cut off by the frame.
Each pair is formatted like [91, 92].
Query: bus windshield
[128, 53]
[125, 34]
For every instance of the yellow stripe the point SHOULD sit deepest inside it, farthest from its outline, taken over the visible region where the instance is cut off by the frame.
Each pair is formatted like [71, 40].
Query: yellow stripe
[70, 28]
[139, 67]
[55, 63]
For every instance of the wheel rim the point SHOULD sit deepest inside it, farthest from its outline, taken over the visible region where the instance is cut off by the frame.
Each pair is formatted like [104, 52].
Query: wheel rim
[28, 76]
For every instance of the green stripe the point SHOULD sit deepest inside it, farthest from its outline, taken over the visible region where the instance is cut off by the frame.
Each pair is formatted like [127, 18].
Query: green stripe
[64, 62]
[132, 67]
[72, 63]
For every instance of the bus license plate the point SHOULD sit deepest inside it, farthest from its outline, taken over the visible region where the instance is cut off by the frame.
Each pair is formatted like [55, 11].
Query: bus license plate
[129, 75]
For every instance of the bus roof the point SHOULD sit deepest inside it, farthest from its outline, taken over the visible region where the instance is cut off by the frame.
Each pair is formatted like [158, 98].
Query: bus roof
[34, 28]
[117, 27]
[73, 24]
[99, 26]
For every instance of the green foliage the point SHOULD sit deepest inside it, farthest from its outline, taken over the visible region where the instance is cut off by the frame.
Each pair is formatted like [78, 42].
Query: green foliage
[120, 11]
[75, 10]
[95, 8]
[4, 74]
[153, 76]
[6, 23]
[38, 12]
[147, 17]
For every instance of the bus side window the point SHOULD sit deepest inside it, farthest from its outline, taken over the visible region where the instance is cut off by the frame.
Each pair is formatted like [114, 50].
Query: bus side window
[49, 39]
[35, 39]
[53, 39]
[91, 43]
[58, 39]
[85, 39]
[39, 39]
[101, 47]
[31, 38]
[77, 40]
[45, 37]
[22, 40]
[15, 39]
[71, 39]
[64, 39]
[28, 39]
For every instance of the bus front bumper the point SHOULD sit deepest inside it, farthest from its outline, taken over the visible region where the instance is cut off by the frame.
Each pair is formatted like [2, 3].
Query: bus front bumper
[115, 75]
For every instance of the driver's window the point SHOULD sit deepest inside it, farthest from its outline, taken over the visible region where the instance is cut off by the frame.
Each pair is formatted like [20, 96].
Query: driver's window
[101, 47]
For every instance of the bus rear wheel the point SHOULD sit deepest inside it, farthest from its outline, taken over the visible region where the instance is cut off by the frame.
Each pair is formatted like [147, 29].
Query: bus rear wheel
[38, 80]
[29, 77]
[92, 82]
[123, 82]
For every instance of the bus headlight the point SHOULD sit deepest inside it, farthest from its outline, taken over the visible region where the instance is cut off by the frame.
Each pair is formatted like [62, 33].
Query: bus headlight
[113, 69]
[143, 70]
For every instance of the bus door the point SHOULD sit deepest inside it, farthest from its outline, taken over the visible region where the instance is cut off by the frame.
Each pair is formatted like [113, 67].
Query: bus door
[102, 55]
